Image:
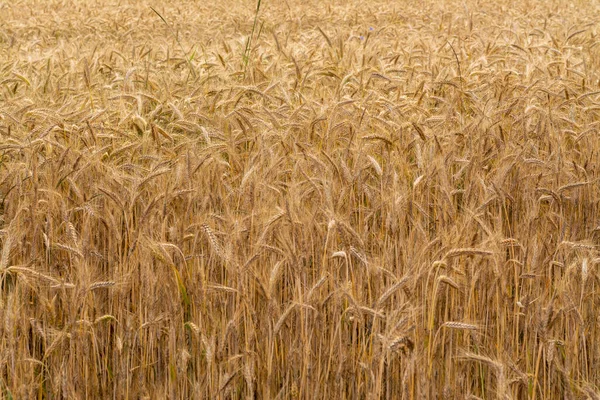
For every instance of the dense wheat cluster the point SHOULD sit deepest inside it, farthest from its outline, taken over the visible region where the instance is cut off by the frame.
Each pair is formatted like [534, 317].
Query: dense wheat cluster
[366, 200]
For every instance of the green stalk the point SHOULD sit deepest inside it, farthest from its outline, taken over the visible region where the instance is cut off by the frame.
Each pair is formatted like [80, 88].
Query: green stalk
[249, 42]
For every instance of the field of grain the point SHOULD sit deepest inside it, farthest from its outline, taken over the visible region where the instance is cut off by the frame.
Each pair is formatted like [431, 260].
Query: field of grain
[367, 200]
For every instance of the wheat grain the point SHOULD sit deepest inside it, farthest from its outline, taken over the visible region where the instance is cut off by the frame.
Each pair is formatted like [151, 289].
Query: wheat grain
[100, 285]
[460, 325]
[467, 252]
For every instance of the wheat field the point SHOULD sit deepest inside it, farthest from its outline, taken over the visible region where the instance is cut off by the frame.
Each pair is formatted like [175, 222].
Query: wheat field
[304, 199]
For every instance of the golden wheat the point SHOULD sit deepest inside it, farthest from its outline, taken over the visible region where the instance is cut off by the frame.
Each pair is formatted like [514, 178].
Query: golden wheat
[299, 200]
